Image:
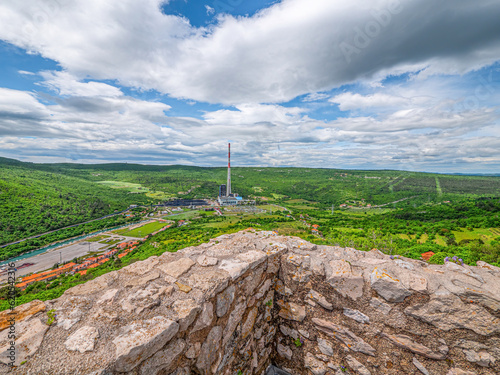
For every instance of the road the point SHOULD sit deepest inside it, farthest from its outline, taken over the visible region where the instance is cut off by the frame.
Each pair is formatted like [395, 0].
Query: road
[65, 253]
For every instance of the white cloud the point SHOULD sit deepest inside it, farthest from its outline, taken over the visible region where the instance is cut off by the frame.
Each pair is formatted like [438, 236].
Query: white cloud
[209, 10]
[348, 101]
[66, 84]
[316, 96]
[24, 72]
[292, 48]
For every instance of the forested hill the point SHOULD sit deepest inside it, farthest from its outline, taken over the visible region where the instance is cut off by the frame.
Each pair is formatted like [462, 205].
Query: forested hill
[36, 201]
[35, 198]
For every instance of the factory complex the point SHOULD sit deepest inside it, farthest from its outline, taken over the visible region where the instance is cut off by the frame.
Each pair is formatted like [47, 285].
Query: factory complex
[226, 197]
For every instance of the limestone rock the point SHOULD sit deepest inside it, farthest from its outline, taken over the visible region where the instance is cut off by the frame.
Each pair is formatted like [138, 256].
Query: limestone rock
[356, 315]
[142, 280]
[234, 268]
[449, 312]
[205, 261]
[458, 371]
[383, 307]
[209, 281]
[344, 281]
[406, 342]
[163, 360]
[209, 350]
[82, 340]
[325, 347]
[292, 311]
[233, 321]
[253, 258]
[315, 296]
[482, 358]
[103, 282]
[314, 365]
[187, 311]
[178, 268]
[285, 351]
[29, 337]
[224, 301]
[287, 331]
[205, 318]
[345, 336]
[141, 267]
[193, 351]
[388, 286]
[420, 366]
[249, 323]
[21, 313]
[357, 366]
[141, 339]
[107, 297]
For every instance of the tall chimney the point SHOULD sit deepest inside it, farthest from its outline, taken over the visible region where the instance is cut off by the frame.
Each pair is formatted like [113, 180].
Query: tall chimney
[228, 188]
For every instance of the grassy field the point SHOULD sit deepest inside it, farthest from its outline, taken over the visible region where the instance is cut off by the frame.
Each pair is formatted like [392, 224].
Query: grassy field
[128, 186]
[160, 195]
[98, 238]
[485, 234]
[141, 231]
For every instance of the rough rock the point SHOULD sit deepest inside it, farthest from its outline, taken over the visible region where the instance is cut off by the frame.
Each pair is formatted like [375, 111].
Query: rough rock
[163, 360]
[205, 318]
[249, 322]
[458, 371]
[342, 279]
[315, 296]
[388, 286]
[224, 300]
[345, 336]
[420, 366]
[209, 350]
[449, 312]
[233, 321]
[177, 268]
[383, 307]
[21, 313]
[356, 315]
[357, 366]
[481, 358]
[234, 268]
[29, 337]
[205, 261]
[285, 351]
[187, 311]
[83, 339]
[292, 311]
[314, 365]
[325, 347]
[142, 339]
[406, 342]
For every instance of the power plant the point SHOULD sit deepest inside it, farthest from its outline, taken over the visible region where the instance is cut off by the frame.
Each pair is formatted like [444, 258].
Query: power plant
[226, 197]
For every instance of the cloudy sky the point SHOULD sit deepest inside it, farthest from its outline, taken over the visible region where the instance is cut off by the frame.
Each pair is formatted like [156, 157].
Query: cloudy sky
[393, 84]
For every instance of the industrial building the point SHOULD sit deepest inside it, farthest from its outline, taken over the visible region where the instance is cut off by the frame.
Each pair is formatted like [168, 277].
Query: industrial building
[226, 197]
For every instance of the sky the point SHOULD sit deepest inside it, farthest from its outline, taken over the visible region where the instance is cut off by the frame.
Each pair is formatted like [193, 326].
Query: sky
[379, 84]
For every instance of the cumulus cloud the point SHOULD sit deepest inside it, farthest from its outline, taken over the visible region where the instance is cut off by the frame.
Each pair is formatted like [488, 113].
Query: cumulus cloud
[99, 129]
[66, 84]
[294, 47]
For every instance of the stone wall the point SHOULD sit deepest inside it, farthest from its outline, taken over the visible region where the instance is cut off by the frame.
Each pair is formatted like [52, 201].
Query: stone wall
[246, 300]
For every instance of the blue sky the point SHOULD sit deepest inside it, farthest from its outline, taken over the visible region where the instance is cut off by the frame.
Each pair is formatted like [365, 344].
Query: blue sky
[316, 83]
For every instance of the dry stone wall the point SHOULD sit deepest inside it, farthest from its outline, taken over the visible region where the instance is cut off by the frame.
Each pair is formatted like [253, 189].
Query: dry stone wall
[247, 300]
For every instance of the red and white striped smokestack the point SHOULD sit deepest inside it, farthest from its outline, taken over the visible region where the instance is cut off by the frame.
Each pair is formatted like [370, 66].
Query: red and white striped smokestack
[228, 188]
